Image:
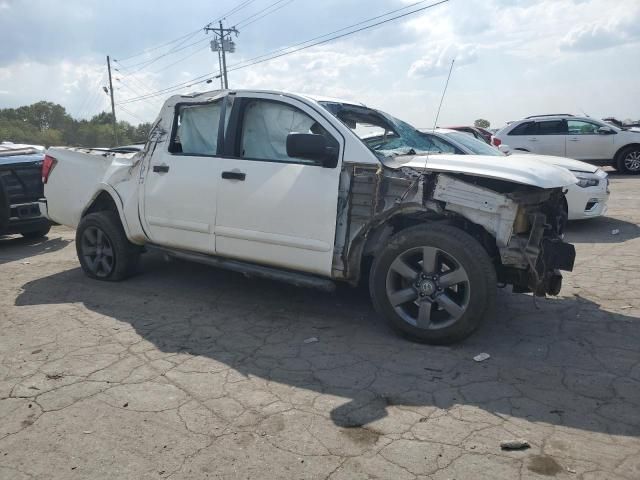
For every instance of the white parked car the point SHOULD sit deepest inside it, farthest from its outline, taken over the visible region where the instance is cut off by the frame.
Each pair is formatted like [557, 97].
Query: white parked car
[282, 186]
[580, 138]
[586, 199]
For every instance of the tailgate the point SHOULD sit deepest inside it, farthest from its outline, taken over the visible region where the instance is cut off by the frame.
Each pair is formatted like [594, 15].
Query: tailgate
[22, 183]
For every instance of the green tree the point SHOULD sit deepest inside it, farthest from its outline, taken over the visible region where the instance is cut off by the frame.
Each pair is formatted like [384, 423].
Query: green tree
[482, 123]
[47, 123]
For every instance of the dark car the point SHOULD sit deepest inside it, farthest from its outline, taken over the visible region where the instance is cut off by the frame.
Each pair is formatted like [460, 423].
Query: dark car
[20, 189]
[478, 132]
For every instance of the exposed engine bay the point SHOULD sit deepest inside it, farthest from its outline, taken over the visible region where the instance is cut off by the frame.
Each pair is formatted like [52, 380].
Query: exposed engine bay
[519, 226]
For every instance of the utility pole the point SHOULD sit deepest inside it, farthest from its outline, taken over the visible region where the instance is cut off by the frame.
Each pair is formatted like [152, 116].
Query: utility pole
[113, 105]
[220, 67]
[222, 44]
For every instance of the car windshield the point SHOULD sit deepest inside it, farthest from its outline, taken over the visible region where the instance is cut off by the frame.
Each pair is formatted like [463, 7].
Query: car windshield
[384, 135]
[477, 147]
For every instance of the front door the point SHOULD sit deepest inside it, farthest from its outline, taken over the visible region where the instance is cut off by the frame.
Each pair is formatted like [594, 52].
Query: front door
[181, 181]
[274, 209]
[585, 143]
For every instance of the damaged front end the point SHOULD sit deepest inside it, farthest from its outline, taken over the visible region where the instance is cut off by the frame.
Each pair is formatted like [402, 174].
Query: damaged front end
[520, 226]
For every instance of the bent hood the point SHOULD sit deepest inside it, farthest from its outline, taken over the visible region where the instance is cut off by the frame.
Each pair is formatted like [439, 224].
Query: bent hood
[525, 171]
[568, 163]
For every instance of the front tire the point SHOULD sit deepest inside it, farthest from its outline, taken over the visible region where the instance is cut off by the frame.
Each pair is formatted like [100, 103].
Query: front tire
[629, 160]
[103, 249]
[433, 283]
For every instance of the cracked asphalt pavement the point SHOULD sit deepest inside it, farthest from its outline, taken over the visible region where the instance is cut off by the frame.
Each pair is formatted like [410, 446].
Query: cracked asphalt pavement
[187, 372]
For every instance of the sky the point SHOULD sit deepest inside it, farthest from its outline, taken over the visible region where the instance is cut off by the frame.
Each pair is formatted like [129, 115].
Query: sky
[513, 58]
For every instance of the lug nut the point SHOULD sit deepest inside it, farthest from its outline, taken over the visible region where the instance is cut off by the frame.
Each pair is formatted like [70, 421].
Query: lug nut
[434, 278]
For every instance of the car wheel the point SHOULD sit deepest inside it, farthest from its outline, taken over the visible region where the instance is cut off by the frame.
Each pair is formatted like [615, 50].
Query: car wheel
[629, 161]
[103, 249]
[37, 233]
[433, 283]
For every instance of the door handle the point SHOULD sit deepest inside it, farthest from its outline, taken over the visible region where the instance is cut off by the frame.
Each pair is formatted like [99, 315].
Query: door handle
[233, 175]
[574, 140]
[161, 168]
[532, 139]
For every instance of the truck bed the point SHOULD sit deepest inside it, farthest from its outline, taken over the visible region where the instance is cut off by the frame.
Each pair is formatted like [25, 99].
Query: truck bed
[78, 175]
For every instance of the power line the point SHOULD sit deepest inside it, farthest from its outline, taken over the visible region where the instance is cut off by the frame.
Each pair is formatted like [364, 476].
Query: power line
[263, 10]
[146, 63]
[131, 76]
[231, 12]
[368, 20]
[129, 87]
[187, 35]
[89, 94]
[133, 115]
[182, 59]
[275, 54]
[157, 47]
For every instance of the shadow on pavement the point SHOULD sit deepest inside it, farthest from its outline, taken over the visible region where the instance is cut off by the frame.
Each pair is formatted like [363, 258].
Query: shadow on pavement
[600, 230]
[16, 247]
[569, 363]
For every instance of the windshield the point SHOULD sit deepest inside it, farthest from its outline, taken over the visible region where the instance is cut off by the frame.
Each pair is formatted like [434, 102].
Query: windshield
[476, 146]
[382, 133]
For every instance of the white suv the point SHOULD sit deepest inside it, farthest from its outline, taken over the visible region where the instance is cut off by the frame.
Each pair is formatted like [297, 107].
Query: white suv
[581, 138]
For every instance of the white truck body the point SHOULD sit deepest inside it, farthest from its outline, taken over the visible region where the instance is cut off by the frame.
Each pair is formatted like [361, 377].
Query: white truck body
[245, 200]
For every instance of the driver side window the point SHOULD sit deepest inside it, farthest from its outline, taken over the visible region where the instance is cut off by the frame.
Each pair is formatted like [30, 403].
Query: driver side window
[579, 127]
[265, 127]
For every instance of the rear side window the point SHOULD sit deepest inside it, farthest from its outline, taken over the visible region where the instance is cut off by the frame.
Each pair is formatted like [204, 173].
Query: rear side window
[526, 128]
[196, 131]
[552, 127]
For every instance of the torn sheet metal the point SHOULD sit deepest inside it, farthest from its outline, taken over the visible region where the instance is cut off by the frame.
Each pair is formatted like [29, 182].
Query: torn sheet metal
[494, 211]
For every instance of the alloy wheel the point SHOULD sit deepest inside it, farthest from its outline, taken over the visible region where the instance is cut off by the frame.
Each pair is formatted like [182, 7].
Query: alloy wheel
[428, 288]
[97, 252]
[632, 161]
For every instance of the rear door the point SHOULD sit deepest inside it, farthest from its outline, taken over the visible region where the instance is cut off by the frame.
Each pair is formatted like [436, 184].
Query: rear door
[585, 143]
[181, 180]
[271, 208]
[549, 138]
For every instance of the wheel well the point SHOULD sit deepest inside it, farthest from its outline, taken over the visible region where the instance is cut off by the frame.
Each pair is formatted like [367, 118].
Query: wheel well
[621, 149]
[378, 237]
[102, 203]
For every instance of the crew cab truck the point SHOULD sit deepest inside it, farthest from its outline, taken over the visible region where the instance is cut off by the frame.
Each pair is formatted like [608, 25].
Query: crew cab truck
[21, 190]
[283, 186]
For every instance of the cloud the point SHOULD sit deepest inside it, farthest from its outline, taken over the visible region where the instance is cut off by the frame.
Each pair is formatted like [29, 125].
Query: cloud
[597, 36]
[437, 60]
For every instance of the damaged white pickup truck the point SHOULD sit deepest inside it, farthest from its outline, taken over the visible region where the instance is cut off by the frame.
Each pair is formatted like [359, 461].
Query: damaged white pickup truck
[282, 186]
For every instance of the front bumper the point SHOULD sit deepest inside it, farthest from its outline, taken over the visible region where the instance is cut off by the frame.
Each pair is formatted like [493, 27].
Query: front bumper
[589, 202]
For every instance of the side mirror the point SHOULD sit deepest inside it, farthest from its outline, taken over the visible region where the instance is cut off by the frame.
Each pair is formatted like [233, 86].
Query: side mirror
[605, 131]
[506, 149]
[312, 147]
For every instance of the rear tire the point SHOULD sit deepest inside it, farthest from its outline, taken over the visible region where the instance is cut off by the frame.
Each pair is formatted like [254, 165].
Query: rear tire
[446, 292]
[103, 249]
[36, 233]
[628, 161]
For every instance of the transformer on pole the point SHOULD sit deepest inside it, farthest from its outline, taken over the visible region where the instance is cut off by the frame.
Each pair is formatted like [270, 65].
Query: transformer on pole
[222, 44]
